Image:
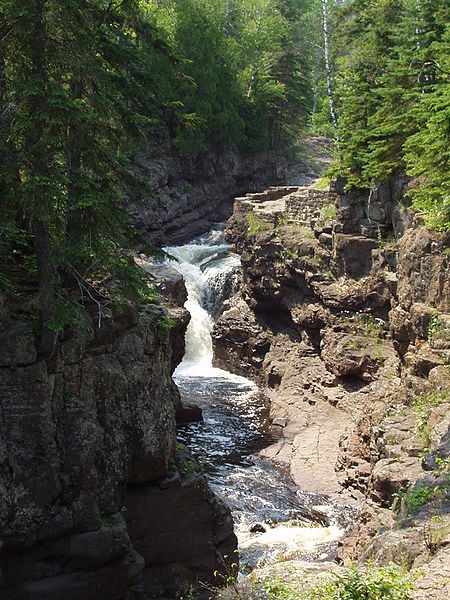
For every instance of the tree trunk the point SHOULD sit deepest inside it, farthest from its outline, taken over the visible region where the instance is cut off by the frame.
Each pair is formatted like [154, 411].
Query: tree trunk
[250, 85]
[327, 67]
[316, 78]
[41, 209]
[226, 25]
[255, 70]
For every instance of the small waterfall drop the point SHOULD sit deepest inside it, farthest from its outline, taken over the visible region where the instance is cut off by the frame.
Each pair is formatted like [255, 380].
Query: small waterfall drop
[211, 274]
[236, 426]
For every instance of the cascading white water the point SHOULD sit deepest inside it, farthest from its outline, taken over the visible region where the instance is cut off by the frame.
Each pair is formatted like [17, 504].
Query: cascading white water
[235, 424]
[207, 267]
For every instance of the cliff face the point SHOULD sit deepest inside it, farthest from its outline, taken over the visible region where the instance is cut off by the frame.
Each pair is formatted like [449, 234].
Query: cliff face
[344, 316]
[348, 327]
[93, 503]
[188, 195]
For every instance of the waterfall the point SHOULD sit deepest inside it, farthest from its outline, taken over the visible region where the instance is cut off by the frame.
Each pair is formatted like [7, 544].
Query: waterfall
[211, 273]
[235, 425]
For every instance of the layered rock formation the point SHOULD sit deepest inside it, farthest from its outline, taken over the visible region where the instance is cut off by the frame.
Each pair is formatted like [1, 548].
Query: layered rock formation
[344, 316]
[96, 501]
[188, 195]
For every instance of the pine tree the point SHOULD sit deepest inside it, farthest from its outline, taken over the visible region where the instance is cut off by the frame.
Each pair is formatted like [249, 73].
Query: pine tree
[393, 96]
[77, 76]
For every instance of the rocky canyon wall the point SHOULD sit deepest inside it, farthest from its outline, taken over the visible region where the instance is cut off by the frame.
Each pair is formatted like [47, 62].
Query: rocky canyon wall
[185, 196]
[96, 500]
[344, 316]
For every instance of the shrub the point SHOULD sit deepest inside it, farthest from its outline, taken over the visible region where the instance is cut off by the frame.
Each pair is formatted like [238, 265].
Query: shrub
[256, 224]
[370, 584]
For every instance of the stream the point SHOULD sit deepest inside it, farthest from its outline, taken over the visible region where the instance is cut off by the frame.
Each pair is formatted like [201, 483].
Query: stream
[274, 520]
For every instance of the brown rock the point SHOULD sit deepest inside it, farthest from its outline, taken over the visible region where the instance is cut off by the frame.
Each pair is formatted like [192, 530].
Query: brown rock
[391, 476]
[425, 359]
[352, 255]
[348, 355]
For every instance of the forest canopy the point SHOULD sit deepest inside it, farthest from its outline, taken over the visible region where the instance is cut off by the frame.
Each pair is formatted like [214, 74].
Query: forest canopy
[85, 83]
[391, 68]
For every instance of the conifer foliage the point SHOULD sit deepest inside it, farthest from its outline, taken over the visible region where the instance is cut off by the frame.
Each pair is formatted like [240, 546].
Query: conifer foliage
[83, 83]
[77, 94]
[392, 66]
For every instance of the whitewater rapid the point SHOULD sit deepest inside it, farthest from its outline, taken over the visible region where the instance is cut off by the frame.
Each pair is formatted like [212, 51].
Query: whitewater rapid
[208, 268]
[236, 427]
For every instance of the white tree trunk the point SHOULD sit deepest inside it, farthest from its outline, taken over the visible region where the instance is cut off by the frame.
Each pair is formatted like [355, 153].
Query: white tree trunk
[254, 70]
[226, 25]
[327, 66]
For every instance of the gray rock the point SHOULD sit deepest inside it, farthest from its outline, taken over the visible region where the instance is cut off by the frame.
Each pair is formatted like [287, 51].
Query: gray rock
[168, 536]
[17, 346]
[352, 255]
[78, 439]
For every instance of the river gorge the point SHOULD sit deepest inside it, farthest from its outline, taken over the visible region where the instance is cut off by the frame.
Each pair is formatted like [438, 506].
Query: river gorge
[265, 413]
[272, 517]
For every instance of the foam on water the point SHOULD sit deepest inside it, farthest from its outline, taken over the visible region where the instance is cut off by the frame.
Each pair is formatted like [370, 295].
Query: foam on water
[201, 262]
[235, 426]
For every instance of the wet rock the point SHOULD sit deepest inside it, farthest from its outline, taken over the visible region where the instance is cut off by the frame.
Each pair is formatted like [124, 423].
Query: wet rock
[219, 288]
[240, 343]
[176, 336]
[258, 528]
[166, 279]
[188, 413]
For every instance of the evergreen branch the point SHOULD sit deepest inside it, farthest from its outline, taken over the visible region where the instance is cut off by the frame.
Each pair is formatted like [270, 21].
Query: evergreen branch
[435, 64]
[85, 286]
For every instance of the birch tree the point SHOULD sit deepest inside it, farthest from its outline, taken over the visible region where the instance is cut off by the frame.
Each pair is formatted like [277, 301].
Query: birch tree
[327, 66]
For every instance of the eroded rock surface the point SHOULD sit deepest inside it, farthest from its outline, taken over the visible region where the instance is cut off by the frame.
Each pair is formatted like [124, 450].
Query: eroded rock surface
[344, 314]
[188, 195]
[93, 505]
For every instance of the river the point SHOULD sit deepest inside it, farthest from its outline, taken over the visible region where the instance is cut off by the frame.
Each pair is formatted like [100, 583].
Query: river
[274, 520]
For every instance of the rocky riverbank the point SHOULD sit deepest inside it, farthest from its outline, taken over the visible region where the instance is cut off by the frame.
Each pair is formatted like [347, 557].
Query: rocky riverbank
[96, 499]
[343, 315]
